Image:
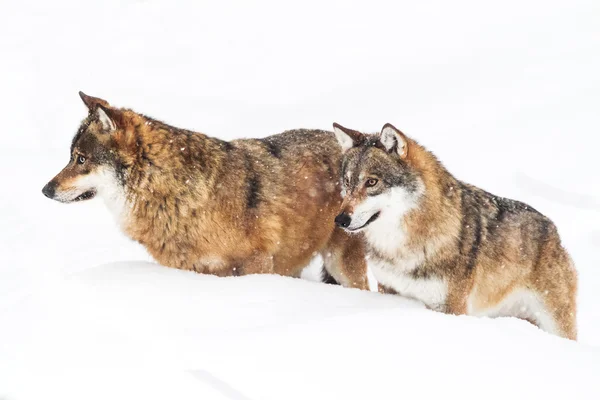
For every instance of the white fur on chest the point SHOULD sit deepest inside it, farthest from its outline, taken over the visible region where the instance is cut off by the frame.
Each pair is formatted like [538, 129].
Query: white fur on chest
[386, 236]
[432, 291]
[116, 201]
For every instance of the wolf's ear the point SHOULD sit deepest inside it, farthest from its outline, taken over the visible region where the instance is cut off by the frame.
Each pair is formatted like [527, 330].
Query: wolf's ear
[347, 138]
[394, 140]
[92, 102]
[106, 116]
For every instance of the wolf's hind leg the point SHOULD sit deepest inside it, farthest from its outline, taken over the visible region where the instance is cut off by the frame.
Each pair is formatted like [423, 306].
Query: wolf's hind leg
[544, 309]
[344, 259]
[558, 316]
[556, 287]
[566, 320]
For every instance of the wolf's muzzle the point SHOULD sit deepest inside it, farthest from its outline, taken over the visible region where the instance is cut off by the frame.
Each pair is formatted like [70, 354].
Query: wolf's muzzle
[343, 220]
[49, 190]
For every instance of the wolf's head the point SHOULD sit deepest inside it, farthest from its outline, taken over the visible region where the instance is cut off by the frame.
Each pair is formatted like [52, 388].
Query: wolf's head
[379, 181]
[96, 161]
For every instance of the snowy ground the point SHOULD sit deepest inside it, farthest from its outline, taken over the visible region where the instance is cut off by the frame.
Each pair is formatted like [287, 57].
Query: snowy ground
[506, 95]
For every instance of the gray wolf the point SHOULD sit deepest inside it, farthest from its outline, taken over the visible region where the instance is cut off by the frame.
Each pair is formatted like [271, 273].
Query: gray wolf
[449, 244]
[213, 206]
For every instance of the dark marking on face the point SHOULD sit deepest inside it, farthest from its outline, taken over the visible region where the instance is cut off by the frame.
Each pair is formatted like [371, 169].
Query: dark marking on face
[92, 148]
[372, 160]
[82, 129]
[96, 153]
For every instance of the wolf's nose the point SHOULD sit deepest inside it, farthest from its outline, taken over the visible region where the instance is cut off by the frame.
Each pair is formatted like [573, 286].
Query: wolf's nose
[343, 220]
[49, 190]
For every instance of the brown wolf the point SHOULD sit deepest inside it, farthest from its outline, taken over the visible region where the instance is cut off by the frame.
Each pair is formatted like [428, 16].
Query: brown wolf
[451, 245]
[203, 204]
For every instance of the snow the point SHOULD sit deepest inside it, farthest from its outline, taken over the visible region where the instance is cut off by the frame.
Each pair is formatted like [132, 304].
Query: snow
[507, 95]
[273, 337]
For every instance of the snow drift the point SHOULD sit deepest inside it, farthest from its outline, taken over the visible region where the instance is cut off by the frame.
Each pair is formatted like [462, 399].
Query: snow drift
[147, 330]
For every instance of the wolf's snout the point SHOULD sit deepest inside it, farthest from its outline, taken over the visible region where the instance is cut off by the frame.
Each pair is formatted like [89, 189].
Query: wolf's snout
[49, 190]
[343, 220]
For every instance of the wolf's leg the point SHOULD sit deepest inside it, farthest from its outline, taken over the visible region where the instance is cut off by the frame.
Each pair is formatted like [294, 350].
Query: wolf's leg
[258, 263]
[555, 284]
[556, 314]
[344, 259]
[457, 293]
[566, 320]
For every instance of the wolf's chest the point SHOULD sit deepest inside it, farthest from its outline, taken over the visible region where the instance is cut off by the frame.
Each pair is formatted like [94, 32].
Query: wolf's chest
[430, 290]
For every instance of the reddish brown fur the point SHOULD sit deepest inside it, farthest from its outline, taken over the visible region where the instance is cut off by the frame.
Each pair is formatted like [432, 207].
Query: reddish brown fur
[225, 208]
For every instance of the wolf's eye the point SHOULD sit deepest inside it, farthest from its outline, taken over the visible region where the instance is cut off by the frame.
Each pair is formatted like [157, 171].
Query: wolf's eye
[371, 182]
[80, 160]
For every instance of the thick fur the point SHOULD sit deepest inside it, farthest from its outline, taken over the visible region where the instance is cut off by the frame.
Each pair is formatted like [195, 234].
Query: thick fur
[456, 247]
[203, 204]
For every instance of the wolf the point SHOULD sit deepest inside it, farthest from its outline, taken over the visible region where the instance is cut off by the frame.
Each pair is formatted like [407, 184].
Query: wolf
[219, 207]
[449, 244]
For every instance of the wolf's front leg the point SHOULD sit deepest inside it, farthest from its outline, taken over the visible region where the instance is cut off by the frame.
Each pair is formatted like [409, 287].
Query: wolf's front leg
[344, 259]
[258, 263]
